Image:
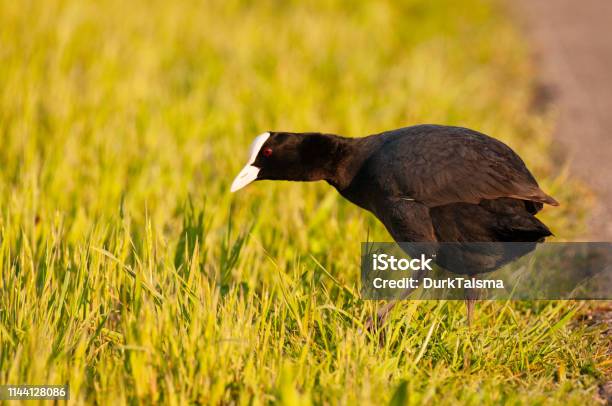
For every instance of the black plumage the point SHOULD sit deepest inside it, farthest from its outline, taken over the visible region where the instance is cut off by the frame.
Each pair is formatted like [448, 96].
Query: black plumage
[426, 183]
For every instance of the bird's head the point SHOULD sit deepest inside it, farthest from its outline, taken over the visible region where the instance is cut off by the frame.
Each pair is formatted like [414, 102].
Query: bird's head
[289, 156]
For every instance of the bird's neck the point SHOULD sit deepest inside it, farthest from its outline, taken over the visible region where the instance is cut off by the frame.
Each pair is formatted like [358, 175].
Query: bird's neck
[347, 159]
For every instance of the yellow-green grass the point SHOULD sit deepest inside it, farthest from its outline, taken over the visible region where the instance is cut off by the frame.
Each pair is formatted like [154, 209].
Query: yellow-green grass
[129, 271]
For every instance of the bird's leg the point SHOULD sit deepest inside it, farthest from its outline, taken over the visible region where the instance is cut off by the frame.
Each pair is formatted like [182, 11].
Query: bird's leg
[470, 303]
[471, 295]
[406, 220]
[381, 315]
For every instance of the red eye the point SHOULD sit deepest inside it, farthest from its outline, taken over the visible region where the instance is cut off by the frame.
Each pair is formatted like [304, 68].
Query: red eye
[267, 152]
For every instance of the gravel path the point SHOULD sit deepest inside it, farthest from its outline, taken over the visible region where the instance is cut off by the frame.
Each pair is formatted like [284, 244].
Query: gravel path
[573, 44]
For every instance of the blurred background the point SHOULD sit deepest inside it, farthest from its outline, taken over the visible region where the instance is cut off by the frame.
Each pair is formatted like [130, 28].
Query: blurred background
[572, 48]
[129, 271]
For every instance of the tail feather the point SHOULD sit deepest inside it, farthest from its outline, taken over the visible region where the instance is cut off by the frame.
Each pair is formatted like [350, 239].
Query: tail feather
[503, 220]
[499, 220]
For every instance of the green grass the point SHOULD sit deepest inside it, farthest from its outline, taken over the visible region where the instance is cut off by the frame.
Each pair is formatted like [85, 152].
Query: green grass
[129, 271]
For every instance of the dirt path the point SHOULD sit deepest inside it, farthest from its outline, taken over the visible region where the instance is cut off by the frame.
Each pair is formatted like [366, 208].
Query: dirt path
[573, 44]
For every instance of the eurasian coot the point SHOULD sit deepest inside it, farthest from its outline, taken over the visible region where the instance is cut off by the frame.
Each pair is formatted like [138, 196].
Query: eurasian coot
[425, 183]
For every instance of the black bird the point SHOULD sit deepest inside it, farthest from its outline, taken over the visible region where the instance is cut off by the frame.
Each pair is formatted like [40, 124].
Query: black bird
[425, 183]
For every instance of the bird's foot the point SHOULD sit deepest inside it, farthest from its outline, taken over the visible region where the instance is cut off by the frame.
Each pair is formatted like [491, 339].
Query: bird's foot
[373, 324]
